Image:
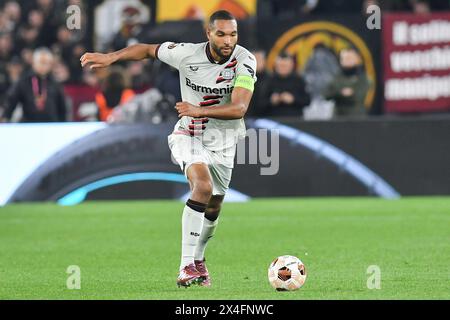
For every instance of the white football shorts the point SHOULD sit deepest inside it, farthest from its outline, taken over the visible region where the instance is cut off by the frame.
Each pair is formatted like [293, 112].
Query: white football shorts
[187, 150]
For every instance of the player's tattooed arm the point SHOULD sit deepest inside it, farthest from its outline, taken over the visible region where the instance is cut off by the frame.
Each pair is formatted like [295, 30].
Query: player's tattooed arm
[137, 51]
[240, 99]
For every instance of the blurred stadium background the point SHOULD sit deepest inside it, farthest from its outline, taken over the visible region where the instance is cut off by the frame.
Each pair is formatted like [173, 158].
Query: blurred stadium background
[375, 102]
[368, 112]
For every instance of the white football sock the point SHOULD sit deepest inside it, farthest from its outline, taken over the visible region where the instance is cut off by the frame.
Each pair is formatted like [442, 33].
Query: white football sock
[191, 228]
[209, 228]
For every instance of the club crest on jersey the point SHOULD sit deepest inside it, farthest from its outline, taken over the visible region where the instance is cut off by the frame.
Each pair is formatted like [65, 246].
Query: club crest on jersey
[228, 73]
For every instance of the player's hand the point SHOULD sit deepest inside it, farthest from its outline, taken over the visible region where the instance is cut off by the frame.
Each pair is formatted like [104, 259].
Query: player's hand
[188, 110]
[96, 60]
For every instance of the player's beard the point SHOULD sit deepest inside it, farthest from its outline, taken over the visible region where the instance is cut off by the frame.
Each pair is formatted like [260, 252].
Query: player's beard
[218, 51]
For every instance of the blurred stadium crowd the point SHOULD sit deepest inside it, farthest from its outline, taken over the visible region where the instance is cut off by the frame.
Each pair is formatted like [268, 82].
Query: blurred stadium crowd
[39, 54]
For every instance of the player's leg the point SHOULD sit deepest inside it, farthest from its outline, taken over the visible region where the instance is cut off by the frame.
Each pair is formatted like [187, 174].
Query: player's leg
[209, 227]
[200, 182]
[189, 154]
[192, 220]
[221, 177]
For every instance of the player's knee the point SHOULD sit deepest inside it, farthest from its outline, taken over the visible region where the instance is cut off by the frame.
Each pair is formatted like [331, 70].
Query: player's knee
[203, 188]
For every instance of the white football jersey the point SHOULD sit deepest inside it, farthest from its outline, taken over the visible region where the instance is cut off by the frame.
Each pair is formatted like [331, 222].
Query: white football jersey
[205, 82]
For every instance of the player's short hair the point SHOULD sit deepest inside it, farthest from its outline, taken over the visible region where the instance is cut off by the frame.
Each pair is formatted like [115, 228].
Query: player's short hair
[220, 15]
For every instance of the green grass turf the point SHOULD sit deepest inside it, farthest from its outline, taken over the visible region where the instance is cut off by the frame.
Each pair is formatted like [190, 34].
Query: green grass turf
[130, 250]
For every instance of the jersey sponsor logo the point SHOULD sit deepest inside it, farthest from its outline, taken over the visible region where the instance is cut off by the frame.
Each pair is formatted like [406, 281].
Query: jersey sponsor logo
[208, 90]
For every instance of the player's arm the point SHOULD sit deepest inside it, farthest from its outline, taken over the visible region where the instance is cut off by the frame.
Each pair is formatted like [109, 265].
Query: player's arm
[134, 52]
[240, 99]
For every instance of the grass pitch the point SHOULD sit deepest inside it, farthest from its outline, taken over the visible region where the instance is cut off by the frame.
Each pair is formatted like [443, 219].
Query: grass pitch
[130, 250]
